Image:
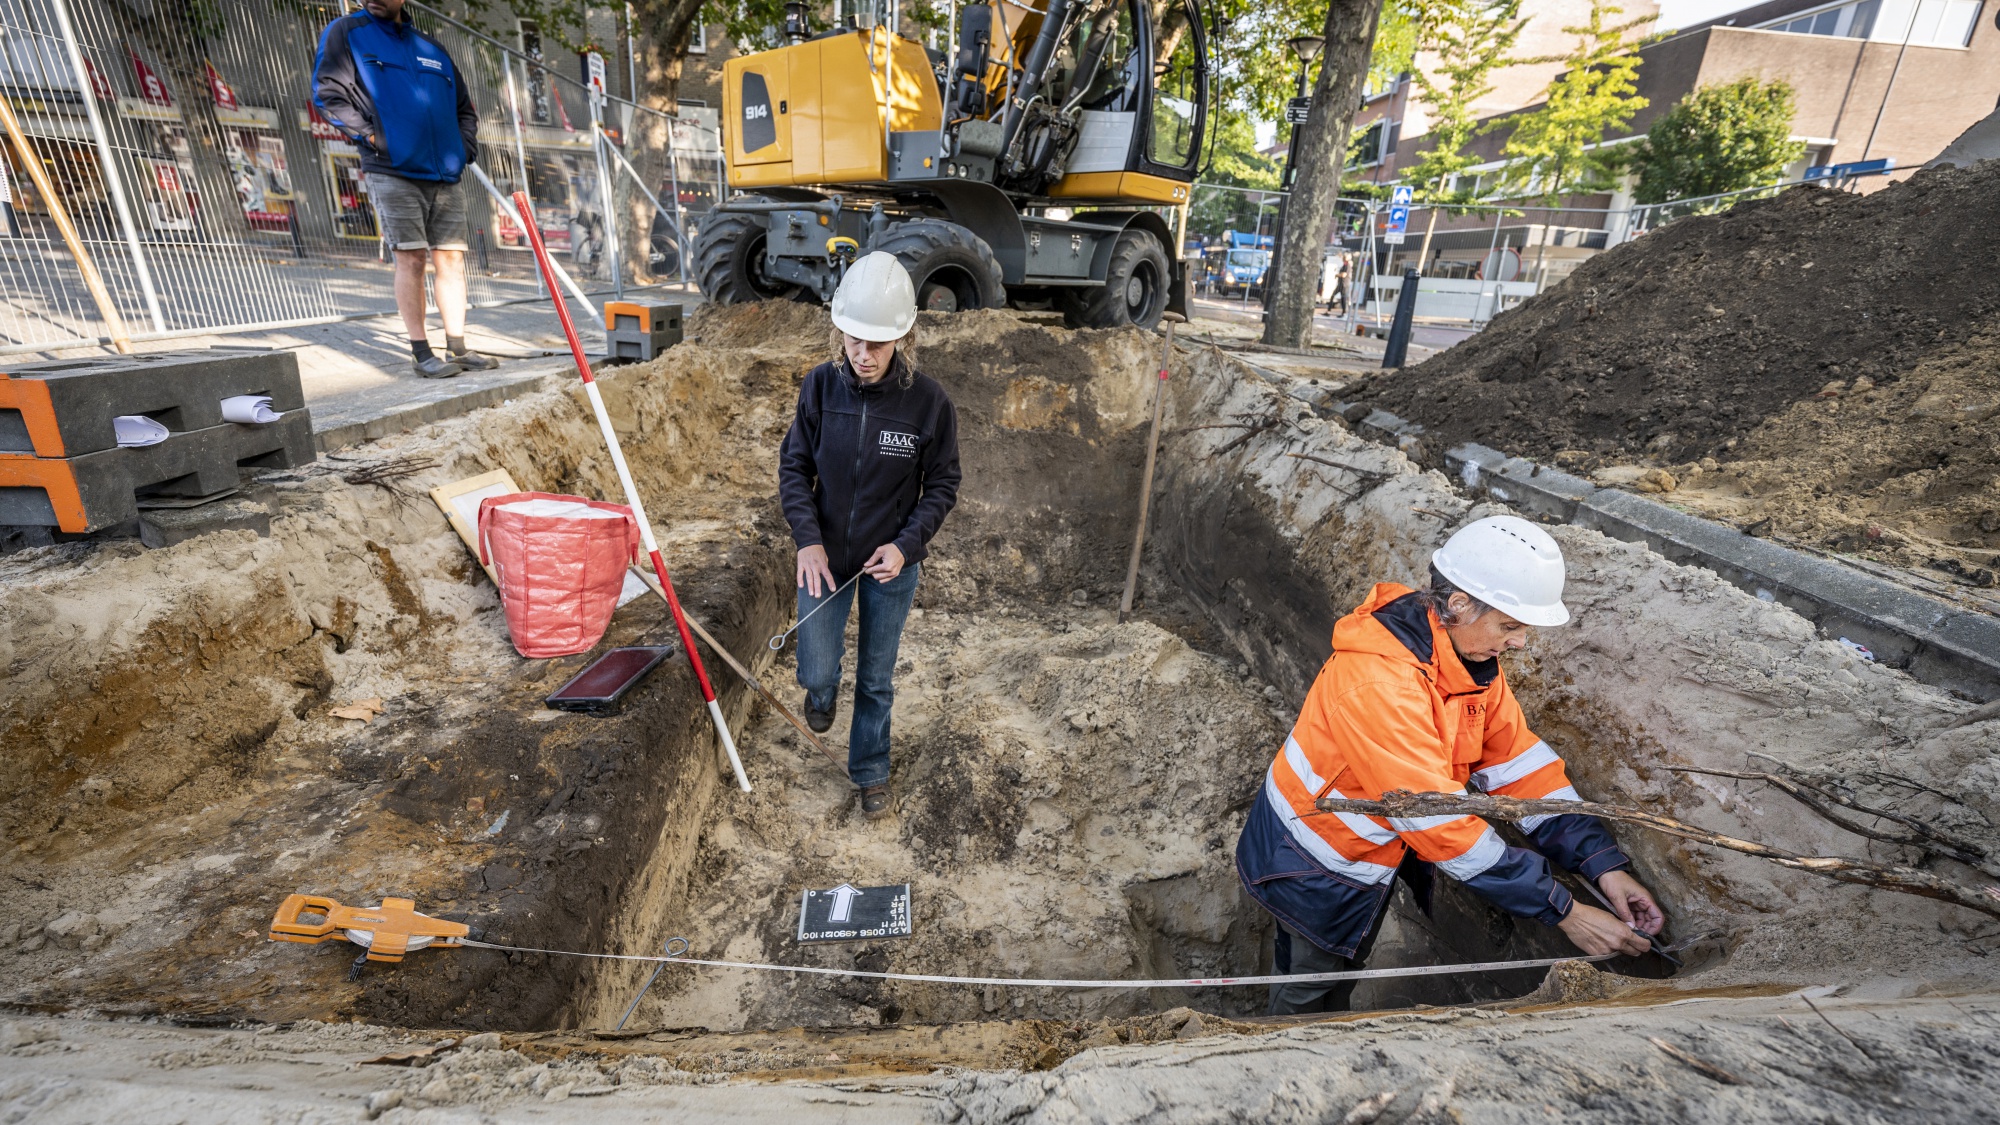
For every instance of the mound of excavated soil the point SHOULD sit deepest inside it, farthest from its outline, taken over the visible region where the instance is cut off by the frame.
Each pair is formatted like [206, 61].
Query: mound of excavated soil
[1906, 473]
[1713, 338]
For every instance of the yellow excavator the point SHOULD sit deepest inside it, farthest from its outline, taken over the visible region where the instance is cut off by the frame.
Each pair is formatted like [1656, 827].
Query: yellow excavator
[1043, 163]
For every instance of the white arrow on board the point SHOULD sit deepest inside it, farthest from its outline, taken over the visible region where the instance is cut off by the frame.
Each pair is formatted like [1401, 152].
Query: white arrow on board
[843, 903]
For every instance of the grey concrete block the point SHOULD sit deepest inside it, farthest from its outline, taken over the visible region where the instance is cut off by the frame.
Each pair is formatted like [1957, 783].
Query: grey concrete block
[1386, 427]
[1471, 462]
[74, 400]
[164, 527]
[640, 330]
[1538, 488]
[402, 407]
[103, 488]
[1535, 489]
[1941, 643]
[1315, 395]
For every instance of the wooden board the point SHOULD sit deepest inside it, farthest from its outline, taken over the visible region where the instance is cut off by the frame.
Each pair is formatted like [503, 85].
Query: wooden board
[460, 502]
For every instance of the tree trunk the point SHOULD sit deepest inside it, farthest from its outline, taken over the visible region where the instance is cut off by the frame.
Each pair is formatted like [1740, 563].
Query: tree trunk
[665, 27]
[1321, 157]
[664, 30]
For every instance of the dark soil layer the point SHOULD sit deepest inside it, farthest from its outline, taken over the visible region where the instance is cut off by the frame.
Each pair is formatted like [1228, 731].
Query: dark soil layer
[1724, 337]
[1906, 474]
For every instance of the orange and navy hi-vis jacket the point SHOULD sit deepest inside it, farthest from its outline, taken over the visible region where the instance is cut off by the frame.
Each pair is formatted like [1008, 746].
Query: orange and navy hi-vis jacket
[1396, 708]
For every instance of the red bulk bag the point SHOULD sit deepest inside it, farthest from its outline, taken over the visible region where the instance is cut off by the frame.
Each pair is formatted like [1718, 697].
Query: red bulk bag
[561, 562]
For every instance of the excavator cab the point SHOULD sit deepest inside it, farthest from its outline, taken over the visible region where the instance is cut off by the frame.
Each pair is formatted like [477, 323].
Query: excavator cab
[1045, 158]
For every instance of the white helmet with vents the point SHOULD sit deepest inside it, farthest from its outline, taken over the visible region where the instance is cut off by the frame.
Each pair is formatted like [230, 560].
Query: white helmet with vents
[876, 300]
[1511, 565]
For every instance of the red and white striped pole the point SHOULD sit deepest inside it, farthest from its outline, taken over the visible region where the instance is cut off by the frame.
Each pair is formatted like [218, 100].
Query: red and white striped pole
[526, 207]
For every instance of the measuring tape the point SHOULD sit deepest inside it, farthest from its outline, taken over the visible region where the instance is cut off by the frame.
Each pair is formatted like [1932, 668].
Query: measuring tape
[1017, 982]
[777, 642]
[395, 928]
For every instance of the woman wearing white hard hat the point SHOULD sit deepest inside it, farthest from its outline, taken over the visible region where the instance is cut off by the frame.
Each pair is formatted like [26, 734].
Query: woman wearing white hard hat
[867, 475]
[1413, 698]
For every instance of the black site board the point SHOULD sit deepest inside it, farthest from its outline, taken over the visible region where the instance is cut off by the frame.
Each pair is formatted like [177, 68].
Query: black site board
[850, 913]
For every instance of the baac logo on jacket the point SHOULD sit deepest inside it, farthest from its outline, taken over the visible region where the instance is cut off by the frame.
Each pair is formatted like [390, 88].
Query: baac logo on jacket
[894, 444]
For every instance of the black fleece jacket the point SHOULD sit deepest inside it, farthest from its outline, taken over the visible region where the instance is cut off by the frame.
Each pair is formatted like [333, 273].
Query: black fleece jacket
[869, 463]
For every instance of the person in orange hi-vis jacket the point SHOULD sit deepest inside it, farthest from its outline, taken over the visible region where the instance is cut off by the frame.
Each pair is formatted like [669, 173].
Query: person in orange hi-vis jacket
[1413, 698]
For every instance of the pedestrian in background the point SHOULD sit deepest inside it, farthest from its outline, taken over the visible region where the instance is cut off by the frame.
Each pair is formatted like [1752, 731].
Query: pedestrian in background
[867, 475]
[398, 96]
[1341, 278]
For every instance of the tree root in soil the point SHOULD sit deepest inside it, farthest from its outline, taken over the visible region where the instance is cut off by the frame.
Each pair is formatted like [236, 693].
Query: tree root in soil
[1914, 834]
[1882, 876]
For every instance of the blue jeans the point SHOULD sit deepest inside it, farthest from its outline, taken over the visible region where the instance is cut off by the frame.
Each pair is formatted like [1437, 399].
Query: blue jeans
[884, 607]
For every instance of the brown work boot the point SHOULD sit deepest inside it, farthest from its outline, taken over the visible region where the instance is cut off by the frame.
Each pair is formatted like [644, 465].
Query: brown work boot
[875, 802]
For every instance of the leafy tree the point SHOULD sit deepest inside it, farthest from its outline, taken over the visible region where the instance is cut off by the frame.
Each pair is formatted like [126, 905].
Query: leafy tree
[1718, 139]
[1256, 68]
[1234, 161]
[1471, 41]
[1553, 149]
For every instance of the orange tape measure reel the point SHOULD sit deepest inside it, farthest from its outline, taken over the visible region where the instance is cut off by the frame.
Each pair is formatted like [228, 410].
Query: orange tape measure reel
[387, 932]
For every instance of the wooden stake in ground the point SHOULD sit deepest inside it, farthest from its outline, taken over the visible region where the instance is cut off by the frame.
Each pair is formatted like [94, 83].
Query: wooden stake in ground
[92, 280]
[1146, 483]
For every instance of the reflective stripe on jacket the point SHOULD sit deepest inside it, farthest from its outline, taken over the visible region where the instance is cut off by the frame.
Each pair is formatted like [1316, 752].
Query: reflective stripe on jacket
[1395, 708]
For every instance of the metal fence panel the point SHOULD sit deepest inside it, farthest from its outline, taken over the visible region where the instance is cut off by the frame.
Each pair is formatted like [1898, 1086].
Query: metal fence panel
[212, 196]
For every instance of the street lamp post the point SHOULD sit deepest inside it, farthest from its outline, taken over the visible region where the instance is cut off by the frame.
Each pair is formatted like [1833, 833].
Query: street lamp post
[1307, 48]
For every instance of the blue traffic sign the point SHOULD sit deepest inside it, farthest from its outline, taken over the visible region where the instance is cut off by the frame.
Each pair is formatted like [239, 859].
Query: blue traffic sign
[1399, 217]
[1402, 197]
[1844, 171]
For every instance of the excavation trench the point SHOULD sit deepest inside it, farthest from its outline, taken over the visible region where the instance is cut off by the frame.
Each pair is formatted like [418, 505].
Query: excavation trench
[1069, 787]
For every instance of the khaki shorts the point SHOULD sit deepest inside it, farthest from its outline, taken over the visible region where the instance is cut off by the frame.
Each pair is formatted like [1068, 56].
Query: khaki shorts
[418, 214]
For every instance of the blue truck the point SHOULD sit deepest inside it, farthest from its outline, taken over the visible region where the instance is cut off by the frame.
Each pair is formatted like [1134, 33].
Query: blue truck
[1239, 262]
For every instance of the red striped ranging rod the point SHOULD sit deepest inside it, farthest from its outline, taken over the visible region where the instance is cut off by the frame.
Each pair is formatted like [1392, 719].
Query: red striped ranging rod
[526, 207]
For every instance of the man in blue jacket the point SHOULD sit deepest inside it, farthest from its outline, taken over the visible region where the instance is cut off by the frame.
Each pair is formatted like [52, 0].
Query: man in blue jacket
[397, 94]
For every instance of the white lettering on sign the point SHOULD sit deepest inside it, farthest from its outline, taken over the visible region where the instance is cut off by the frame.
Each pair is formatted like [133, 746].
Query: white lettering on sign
[894, 444]
[756, 112]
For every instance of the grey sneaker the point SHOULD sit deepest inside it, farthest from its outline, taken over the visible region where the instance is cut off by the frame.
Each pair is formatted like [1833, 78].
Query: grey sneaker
[473, 361]
[436, 367]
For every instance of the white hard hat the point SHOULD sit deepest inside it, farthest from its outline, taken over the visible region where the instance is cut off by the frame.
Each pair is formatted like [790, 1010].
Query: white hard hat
[1511, 565]
[876, 300]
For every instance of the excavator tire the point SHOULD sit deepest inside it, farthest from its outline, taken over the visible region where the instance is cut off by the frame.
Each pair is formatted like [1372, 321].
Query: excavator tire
[729, 258]
[952, 268]
[1135, 287]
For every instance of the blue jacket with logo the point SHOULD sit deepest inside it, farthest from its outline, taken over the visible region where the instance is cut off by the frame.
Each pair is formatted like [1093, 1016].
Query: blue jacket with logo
[386, 78]
[869, 463]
